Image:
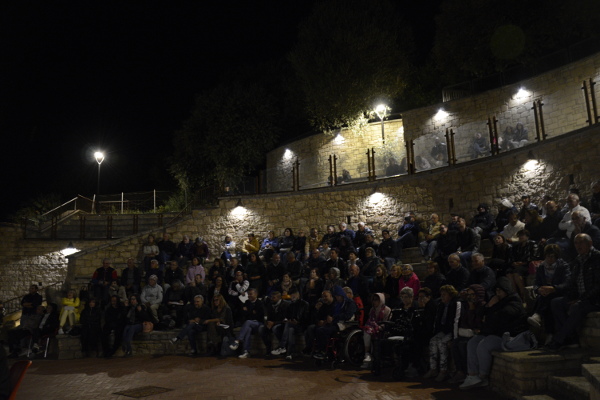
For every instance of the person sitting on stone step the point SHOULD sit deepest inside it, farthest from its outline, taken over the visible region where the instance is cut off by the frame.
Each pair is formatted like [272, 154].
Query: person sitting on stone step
[253, 316]
[198, 315]
[580, 296]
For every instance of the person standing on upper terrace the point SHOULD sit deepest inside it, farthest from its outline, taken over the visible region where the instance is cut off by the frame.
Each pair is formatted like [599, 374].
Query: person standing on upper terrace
[580, 296]
[102, 279]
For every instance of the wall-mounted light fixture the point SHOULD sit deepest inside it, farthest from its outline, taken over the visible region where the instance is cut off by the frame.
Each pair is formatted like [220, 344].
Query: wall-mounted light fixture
[441, 115]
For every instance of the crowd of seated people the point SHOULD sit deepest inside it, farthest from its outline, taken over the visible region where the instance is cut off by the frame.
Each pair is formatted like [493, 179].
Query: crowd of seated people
[280, 287]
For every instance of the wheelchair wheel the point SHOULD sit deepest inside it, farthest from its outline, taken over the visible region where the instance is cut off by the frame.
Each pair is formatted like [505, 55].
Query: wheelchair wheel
[354, 348]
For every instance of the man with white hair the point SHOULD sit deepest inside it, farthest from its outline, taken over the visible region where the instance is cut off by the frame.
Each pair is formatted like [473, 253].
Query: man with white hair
[566, 224]
[197, 315]
[583, 225]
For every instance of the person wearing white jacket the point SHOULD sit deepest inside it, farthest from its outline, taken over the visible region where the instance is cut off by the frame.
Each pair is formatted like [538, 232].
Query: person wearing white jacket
[152, 296]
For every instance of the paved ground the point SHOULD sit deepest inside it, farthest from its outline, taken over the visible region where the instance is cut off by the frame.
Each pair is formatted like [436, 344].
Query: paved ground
[223, 379]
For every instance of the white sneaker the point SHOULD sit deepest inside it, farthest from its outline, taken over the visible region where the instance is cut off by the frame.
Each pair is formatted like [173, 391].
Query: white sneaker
[234, 346]
[61, 332]
[174, 340]
[470, 382]
[279, 351]
[535, 320]
[245, 354]
[367, 358]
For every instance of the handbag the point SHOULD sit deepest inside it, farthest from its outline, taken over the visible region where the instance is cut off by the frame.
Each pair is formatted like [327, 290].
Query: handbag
[522, 342]
[147, 326]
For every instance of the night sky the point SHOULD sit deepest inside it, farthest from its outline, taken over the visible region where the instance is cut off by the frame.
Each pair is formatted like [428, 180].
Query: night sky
[121, 77]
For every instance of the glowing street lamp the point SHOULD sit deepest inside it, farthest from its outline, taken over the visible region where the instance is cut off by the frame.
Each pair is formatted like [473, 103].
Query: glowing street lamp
[99, 156]
[381, 110]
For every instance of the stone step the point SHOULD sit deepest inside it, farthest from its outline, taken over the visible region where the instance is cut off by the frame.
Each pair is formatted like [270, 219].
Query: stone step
[591, 372]
[569, 387]
[517, 374]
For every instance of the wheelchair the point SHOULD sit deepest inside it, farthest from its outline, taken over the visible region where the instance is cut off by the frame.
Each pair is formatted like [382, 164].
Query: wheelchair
[345, 347]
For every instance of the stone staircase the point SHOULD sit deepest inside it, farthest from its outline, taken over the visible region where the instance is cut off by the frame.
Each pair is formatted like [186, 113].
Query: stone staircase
[572, 374]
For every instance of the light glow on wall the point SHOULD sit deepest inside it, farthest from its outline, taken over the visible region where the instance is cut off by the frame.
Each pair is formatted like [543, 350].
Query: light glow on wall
[441, 115]
[68, 251]
[288, 154]
[339, 139]
[531, 165]
[522, 94]
[239, 212]
[376, 198]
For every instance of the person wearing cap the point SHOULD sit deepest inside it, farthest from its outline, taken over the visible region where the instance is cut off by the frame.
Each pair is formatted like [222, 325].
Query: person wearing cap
[152, 296]
[505, 208]
[580, 296]
[503, 313]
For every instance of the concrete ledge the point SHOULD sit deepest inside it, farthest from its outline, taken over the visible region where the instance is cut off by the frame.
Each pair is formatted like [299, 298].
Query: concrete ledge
[522, 373]
[591, 372]
[159, 343]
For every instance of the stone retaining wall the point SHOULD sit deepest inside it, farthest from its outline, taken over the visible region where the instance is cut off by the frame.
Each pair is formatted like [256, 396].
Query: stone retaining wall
[32, 261]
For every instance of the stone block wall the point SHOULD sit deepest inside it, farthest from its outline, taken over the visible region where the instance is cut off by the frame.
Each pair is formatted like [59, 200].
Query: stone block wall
[382, 204]
[31, 261]
[560, 92]
[313, 154]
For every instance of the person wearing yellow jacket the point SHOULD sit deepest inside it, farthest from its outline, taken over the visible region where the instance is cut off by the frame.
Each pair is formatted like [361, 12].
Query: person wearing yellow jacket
[70, 310]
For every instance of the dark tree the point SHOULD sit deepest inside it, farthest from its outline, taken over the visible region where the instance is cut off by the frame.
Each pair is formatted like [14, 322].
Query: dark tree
[475, 38]
[350, 55]
[228, 134]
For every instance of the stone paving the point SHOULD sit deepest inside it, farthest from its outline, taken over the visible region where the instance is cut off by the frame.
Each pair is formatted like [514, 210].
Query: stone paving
[209, 378]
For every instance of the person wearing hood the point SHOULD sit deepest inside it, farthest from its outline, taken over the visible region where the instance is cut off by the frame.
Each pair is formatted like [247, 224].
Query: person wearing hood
[379, 312]
[471, 320]
[503, 313]
[344, 309]
[483, 221]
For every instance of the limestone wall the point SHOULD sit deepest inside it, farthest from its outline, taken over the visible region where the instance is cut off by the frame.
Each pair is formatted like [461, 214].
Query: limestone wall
[563, 111]
[31, 261]
[382, 204]
[313, 154]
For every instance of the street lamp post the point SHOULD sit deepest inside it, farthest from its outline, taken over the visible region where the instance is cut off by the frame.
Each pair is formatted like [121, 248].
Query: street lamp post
[381, 110]
[99, 156]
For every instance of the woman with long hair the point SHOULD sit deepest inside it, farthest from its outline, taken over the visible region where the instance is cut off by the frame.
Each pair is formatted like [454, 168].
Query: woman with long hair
[221, 325]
